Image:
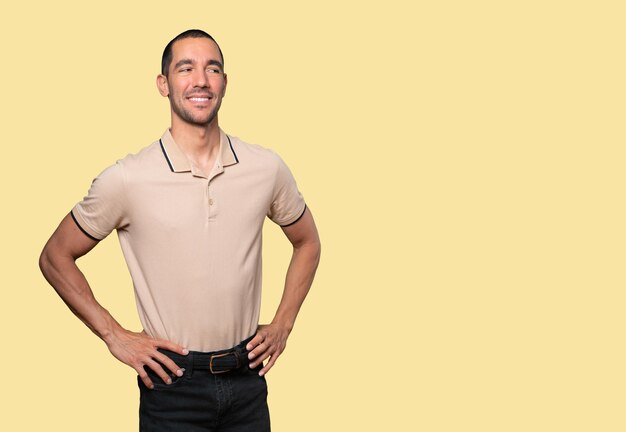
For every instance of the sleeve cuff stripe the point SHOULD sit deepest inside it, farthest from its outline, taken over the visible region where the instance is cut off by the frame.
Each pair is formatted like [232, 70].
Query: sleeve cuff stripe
[299, 217]
[82, 229]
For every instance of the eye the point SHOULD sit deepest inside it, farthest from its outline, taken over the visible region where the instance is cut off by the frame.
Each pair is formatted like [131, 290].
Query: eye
[214, 70]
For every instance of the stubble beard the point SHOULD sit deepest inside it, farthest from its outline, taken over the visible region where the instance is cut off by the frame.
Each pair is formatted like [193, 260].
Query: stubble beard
[190, 118]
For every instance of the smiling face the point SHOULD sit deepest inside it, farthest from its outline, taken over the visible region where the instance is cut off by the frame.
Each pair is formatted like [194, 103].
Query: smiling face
[195, 83]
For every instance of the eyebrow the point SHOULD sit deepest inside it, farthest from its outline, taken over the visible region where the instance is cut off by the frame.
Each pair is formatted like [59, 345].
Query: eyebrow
[190, 62]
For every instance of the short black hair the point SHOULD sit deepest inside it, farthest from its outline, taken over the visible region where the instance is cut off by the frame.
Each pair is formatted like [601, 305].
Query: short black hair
[166, 59]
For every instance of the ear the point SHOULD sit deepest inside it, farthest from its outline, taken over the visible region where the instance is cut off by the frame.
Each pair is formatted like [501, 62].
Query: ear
[161, 82]
[225, 85]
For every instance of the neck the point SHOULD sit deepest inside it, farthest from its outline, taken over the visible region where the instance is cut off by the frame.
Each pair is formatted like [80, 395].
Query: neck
[197, 142]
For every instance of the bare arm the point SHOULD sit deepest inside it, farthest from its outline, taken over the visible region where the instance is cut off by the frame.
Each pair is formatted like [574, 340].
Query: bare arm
[58, 265]
[271, 339]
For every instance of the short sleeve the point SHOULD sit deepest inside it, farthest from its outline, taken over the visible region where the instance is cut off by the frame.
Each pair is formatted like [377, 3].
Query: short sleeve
[103, 209]
[287, 205]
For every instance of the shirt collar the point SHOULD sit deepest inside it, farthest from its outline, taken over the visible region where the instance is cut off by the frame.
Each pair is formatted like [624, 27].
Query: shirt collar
[178, 162]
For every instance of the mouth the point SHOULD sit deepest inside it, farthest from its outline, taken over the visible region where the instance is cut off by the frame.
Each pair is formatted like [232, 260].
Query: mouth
[199, 99]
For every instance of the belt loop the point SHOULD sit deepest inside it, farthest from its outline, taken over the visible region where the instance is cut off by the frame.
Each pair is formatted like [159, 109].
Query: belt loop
[190, 365]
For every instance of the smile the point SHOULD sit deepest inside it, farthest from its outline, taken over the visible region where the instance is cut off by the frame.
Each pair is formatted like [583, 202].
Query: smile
[199, 99]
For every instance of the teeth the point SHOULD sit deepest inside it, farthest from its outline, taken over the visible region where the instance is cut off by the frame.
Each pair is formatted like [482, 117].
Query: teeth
[199, 99]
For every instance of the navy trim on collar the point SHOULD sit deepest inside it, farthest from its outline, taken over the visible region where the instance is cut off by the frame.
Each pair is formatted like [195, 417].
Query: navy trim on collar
[232, 149]
[178, 162]
[166, 157]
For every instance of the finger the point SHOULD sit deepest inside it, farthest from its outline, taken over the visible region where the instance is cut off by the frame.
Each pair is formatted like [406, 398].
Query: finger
[268, 366]
[171, 346]
[145, 378]
[260, 349]
[260, 359]
[169, 363]
[256, 340]
[159, 371]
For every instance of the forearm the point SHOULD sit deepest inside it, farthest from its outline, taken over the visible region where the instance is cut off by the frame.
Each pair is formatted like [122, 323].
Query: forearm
[298, 281]
[72, 286]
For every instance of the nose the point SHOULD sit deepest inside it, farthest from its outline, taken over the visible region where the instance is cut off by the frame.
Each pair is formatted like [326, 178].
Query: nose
[201, 79]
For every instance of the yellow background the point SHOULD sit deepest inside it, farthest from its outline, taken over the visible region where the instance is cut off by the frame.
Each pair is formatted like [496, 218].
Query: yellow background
[465, 165]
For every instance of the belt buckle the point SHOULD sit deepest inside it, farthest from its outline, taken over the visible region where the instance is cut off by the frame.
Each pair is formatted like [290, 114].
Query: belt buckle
[220, 356]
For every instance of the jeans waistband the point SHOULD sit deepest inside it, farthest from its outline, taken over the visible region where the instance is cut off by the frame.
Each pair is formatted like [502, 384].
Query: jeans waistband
[216, 361]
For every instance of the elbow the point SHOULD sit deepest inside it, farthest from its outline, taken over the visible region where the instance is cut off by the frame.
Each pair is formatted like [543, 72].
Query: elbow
[310, 249]
[316, 250]
[44, 261]
[49, 260]
[315, 247]
[319, 249]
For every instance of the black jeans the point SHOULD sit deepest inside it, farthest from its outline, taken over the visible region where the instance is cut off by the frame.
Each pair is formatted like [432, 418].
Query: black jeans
[200, 401]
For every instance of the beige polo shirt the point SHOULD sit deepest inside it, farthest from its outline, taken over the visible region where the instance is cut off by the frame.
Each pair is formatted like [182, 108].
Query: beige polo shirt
[193, 244]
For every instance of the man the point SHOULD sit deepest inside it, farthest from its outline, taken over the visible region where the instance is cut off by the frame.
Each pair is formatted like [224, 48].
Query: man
[189, 211]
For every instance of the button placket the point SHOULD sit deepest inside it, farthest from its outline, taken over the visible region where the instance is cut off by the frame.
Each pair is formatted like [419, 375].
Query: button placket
[211, 201]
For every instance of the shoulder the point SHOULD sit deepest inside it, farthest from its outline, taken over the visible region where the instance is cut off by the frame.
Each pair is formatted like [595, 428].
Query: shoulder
[131, 169]
[144, 158]
[256, 154]
[148, 159]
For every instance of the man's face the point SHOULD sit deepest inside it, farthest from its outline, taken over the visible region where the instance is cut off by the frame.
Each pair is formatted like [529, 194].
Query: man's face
[196, 83]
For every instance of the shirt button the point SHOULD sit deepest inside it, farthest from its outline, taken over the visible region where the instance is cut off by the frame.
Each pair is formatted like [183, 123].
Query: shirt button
[211, 202]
